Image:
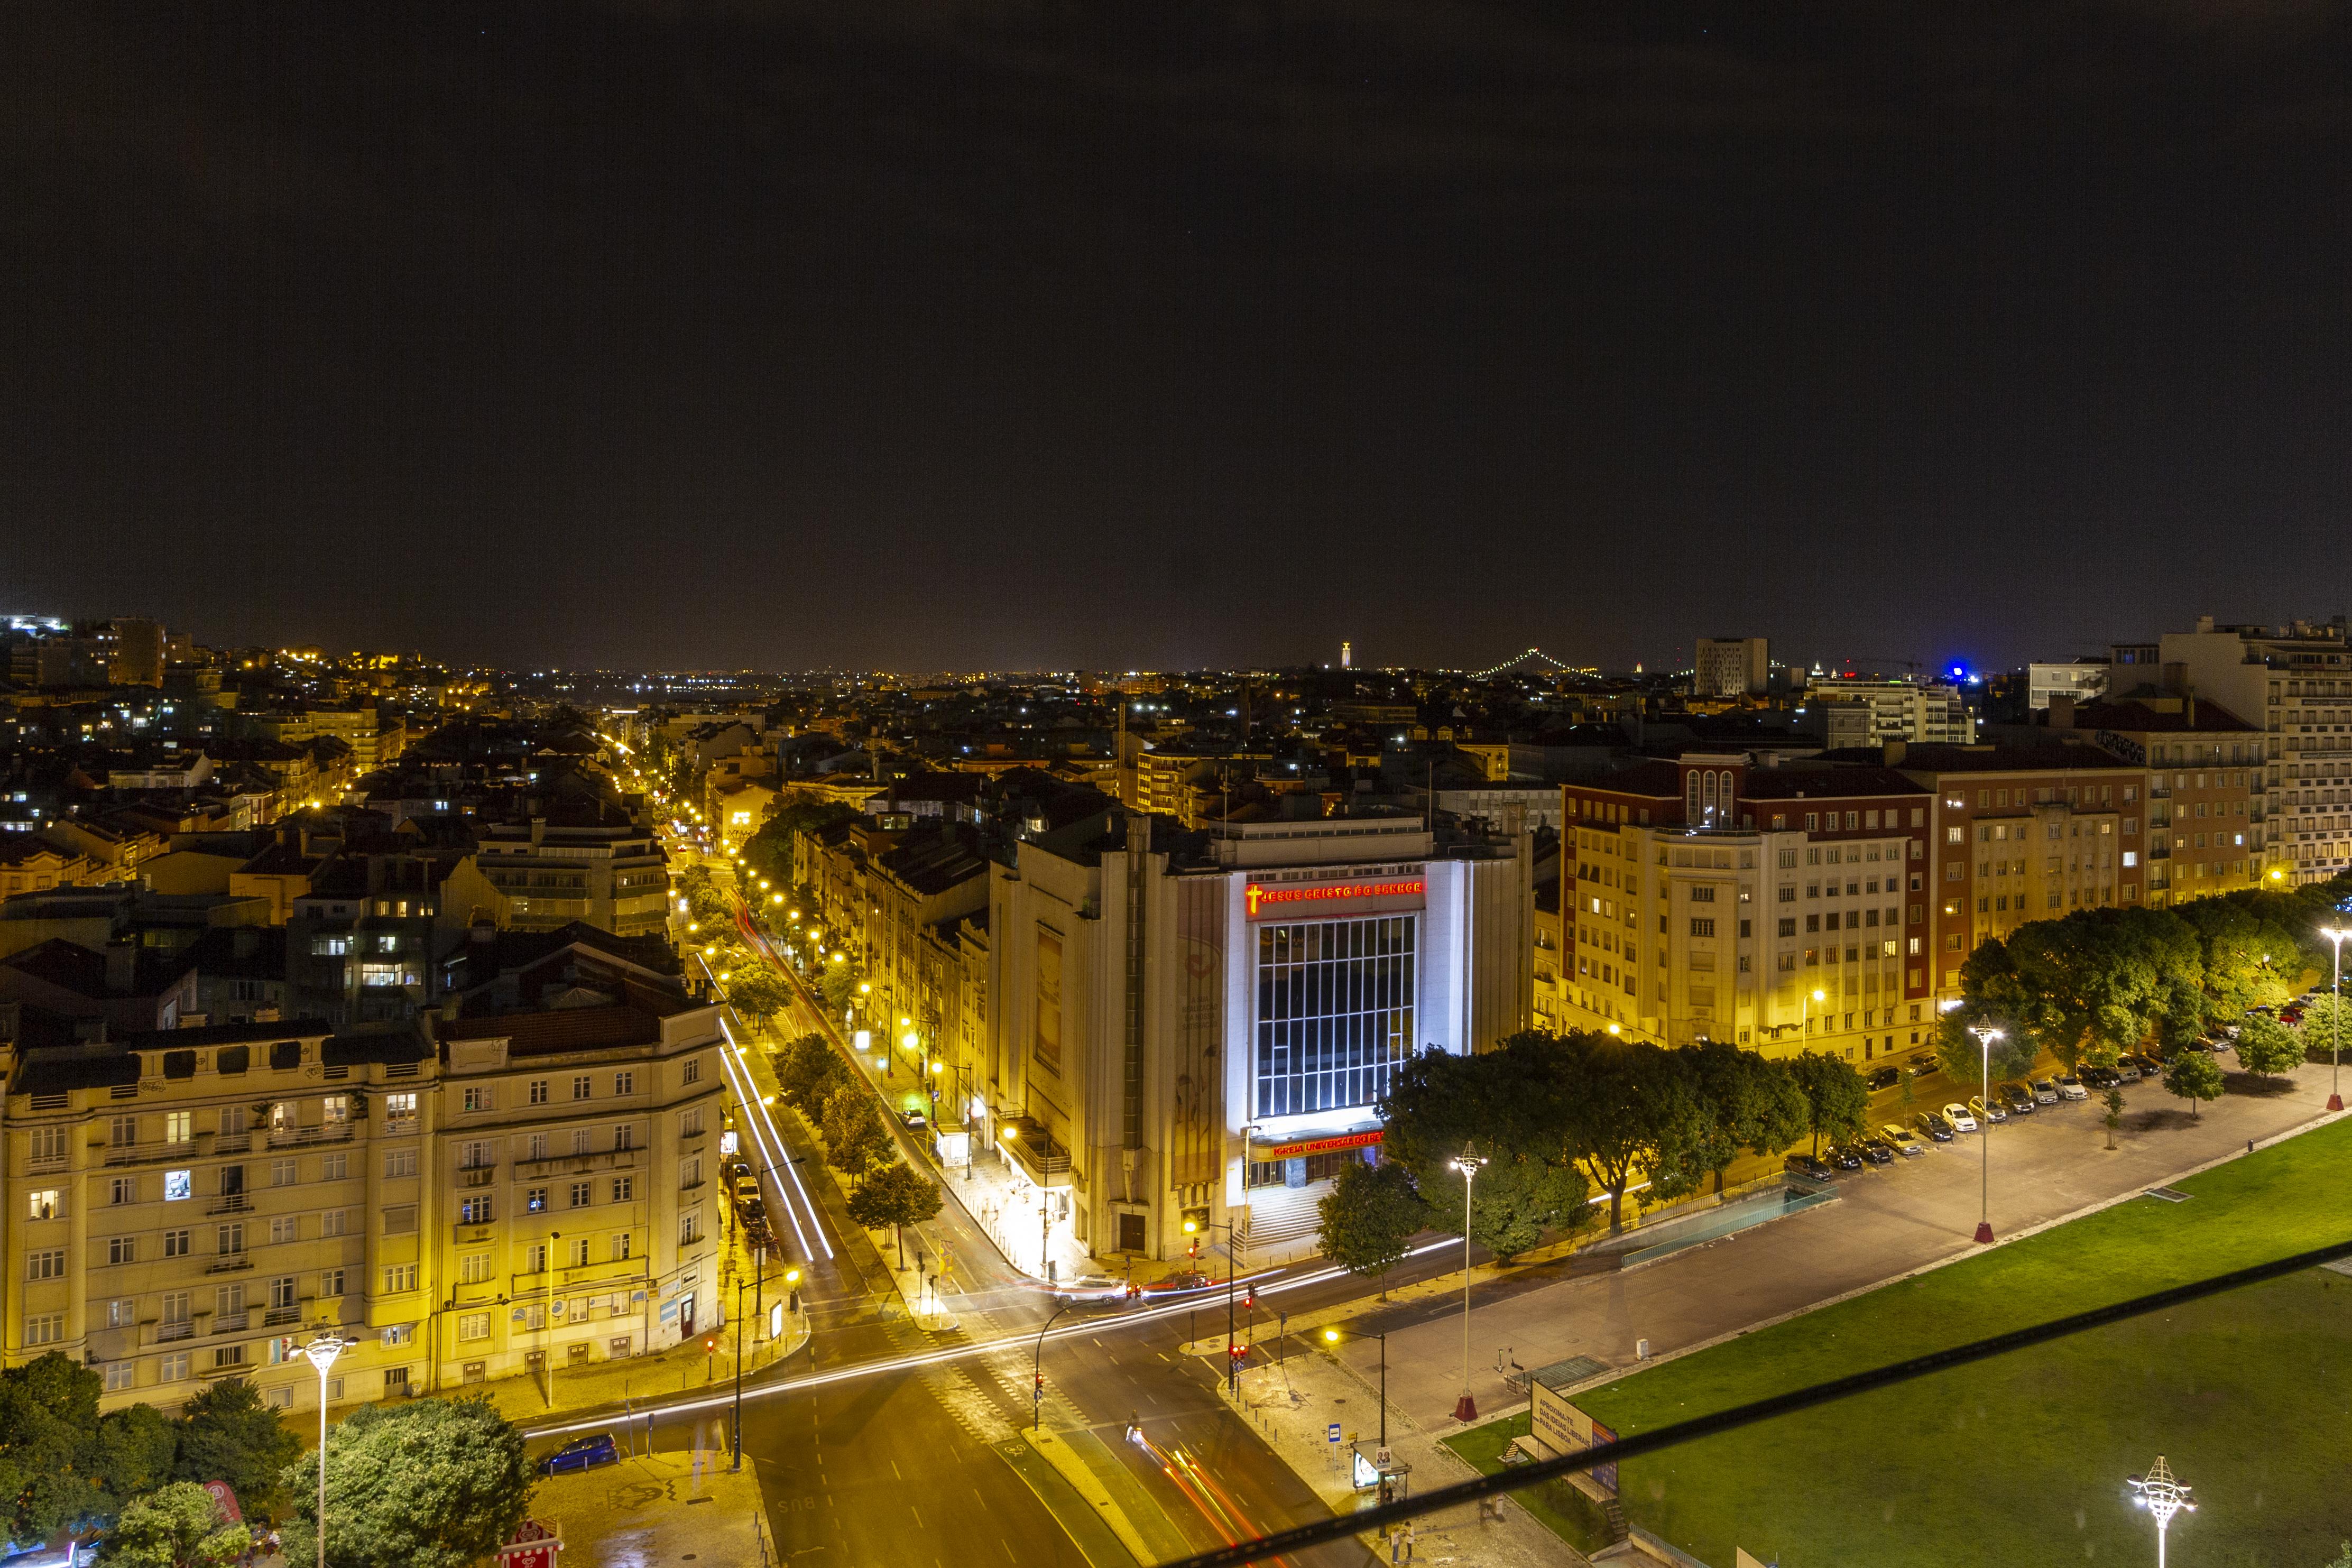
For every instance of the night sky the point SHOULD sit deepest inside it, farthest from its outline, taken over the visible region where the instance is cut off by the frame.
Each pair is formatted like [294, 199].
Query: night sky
[1004, 334]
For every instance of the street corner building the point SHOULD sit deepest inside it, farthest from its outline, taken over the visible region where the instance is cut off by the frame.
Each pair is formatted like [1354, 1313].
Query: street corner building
[1198, 1025]
[525, 1173]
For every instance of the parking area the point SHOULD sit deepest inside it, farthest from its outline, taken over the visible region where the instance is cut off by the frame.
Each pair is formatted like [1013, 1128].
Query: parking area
[1889, 1220]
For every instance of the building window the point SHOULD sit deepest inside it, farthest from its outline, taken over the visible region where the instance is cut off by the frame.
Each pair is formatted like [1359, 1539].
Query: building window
[624, 1083]
[578, 1247]
[123, 1190]
[621, 1245]
[229, 1239]
[476, 1155]
[400, 1107]
[475, 1210]
[44, 1328]
[1335, 1011]
[121, 1314]
[47, 1264]
[120, 1375]
[285, 1228]
[534, 1200]
[581, 1194]
[331, 1283]
[175, 1367]
[400, 1219]
[334, 1167]
[479, 1098]
[624, 1136]
[473, 1326]
[689, 1123]
[175, 1244]
[43, 1205]
[539, 1091]
[689, 1228]
[122, 1249]
[397, 1278]
[624, 1188]
[534, 1257]
[474, 1269]
[692, 1072]
[1702, 925]
[335, 1222]
[281, 1173]
[399, 1163]
[581, 1088]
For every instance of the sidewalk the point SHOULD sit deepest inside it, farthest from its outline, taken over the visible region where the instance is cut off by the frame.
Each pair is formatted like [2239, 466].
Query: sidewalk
[659, 1508]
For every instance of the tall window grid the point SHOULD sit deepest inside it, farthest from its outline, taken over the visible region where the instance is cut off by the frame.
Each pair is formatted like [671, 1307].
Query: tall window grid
[1335, 1011]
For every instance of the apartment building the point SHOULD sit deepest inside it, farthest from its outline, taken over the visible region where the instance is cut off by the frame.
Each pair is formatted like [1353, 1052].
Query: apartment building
[1847, 712]
[462, 1197]
[577, 862]
[2205, 797]
[1706, 897]
[2024, 832]
[2296, 682]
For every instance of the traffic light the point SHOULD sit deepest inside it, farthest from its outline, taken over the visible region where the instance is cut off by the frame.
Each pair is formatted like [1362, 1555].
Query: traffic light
[1039, 1391]
[1193, 1251]
[1249, 1298]
[1239, 1352]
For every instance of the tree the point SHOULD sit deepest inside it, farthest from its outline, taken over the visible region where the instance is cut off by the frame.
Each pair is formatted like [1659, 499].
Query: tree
[2249, 960]
[1963, 1060]
[1837, 1102]
[179, 1526]
[1369, 1217]
[1745, 1101]
[837, 983]
[2114, 1116]
[227, 1434]
[2267, 1047]
[1625, 1107]
[1506, 1103]
[854, 1139]
[2193, 1076]
[897, 1195]
[808, 1070]
[136, 1451]
[48, 1419]
[2322, 1020]
[435, 1483]
[757, 993]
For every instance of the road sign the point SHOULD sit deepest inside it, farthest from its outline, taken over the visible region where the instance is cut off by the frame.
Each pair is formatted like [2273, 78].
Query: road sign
[1332, 1432]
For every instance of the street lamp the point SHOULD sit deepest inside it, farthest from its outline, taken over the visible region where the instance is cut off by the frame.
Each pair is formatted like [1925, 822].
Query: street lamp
[1986, 1035]
[1038, 1371]
[1333, 1336]
[1805, 1012]
[322, 1352]
[1233, 1367]
[2336, 934]
[2162, 1496]
[1467, 1408]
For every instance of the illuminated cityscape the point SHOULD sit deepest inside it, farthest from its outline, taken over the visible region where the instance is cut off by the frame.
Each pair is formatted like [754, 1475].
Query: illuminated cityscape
[1286, 785]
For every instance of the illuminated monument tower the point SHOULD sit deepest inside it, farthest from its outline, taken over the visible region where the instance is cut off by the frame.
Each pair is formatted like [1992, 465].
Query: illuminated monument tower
[1347, 656]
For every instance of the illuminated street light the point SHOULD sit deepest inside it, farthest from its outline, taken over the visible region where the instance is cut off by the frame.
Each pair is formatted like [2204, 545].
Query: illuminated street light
[1986, 1035]
[1467, 1408]
[321, 1352]
[2337, 935]
[1333, 1336]
[2162, 1496]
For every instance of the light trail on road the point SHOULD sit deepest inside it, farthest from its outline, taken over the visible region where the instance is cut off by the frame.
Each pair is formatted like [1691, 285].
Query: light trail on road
[737, 1064]
[946, 1354]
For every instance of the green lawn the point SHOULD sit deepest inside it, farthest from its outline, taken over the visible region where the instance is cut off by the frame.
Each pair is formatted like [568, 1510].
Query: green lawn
[1558, 1507]
[2022, 1460]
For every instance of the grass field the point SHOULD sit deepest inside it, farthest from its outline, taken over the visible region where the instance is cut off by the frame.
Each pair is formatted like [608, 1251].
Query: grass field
[2022, 1460]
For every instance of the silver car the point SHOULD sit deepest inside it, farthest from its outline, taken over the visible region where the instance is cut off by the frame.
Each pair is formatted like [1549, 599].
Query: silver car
[2072, 1088]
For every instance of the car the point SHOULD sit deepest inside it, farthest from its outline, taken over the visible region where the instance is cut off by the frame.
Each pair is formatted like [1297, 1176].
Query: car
[2203, 1047]
[1902, 1141]
[1933, 1126]
[1986, 1111]
[1809, 1167]
[913, 1121]
[2101, 1077]
[2230, 1032]
[1957, 1115]
[2291, 1016]
[1886, 1078]
[2018, 1098]
[1922, 1063]
[2072, 1088]
[1845, 1157]
[2148, 1066]
[582, 1454]
[1877, 1151]
[2044, 1091]
[2125, 1069]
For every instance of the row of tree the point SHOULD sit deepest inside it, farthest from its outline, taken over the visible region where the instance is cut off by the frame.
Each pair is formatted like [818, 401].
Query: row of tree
[818, 1084]
[434, 1483]
[2098, 983]
[1558, 1118]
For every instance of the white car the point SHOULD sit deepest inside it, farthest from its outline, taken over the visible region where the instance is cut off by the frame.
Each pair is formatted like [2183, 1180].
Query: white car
[2072, 1088]
[2044, 1091]
[1961, 1117]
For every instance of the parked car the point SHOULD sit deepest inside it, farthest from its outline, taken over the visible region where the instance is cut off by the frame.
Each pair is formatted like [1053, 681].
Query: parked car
[2203, 1047]
[2148, 1066]
[2125, 1069]
[1933, 1126]
[1877, 1151]
[1957, 1115]
[1988, 1112]
[1845, 1157]
[913, 1121]
[1807, 1166]
[2230, 1032]
[2100, 1077]
[1886, 1078]
[2046, 1092]
[2072, 1088]
[2018, 1098]
[1902, 1140]
[1922, 1063]
[582, 1454]
[2291, 1016]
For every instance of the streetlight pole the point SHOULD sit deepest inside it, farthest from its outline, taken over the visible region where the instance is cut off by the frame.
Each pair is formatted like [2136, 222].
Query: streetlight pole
[1333, 1336]
[2162, 1496]
[1233, 1369]
[1986, 1035]
[738, 1442]
[2336, 934]
[1037, 1372]
[1467, 1408]
[321, 1352]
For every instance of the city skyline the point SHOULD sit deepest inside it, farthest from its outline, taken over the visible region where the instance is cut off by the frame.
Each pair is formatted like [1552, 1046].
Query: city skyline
[1053, 342]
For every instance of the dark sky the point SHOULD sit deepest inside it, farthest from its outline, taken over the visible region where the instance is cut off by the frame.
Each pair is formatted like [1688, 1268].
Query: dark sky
[1015, 334]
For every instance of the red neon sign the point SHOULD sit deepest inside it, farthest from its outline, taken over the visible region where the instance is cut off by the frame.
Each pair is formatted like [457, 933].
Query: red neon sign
[1257, 895]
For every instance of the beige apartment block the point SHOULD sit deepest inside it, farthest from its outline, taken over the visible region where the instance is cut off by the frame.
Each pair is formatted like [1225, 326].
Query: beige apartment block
[462, 1197]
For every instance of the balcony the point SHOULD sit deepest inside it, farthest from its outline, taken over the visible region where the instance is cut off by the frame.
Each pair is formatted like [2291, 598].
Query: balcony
[231, 1323]
[232, 1142]
[576, 1165]
[1046, 1163]
[326, 1132]
[166, 1332]
[477, 1176]
[149, 1152]
[230, 1202]
[229, 1263]
[279, 1316]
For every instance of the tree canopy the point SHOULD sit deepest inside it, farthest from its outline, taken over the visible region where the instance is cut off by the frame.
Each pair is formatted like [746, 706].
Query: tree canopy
[1837, 1102]
[177, 1526]
[854, 1139]
[437, 1483]
[896, 1196]
[229, 1435]
[808, 1070]
[2194, 1076]
[1370, 1216]
[2267, 1047]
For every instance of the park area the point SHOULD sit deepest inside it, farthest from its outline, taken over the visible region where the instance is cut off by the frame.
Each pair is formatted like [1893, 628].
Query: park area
[2023, 1459]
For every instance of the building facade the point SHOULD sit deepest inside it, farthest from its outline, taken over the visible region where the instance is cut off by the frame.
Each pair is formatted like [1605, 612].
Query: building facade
[1730, 666]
